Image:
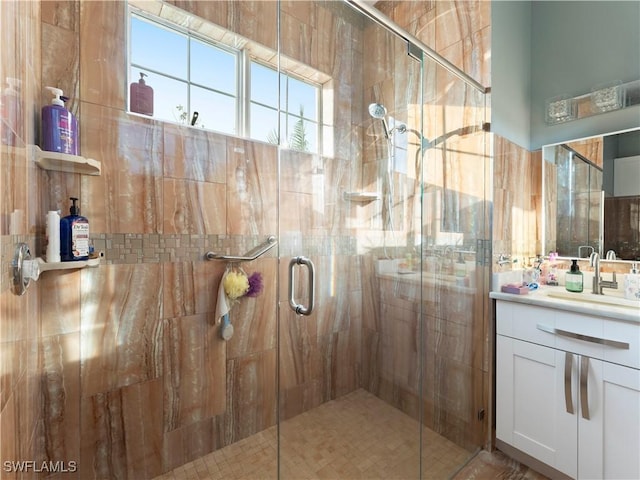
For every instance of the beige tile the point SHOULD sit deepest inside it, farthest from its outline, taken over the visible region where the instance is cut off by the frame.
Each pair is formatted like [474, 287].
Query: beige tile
[102, 53]
[192, 207]
[190, 288]
[194, 154]
[252, 382]
[194, 371]
[121, 332]
[127, 196]
[254, 319]
[122, 432]
[251, 188]
[61, 396]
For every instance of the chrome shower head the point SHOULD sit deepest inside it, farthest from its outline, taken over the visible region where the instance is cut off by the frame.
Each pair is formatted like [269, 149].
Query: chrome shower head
[377, 110]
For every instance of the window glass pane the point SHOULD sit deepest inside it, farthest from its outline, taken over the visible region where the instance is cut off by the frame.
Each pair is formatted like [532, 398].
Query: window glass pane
[312, 136]
[146, 38]
[168, 94]
[283, 89]
[302, 95]
[301, 134]
[264, 124]
[215, 111]
[264, 85]
[213, 67]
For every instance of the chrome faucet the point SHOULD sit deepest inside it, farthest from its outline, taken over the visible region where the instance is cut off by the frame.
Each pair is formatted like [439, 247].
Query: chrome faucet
[584, 246]
[503, 259]
[594, 261]
[611, 255]
[598, 283]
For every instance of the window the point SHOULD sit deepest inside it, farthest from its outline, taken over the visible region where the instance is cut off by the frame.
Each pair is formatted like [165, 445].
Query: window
[298, 109]
[189, 74]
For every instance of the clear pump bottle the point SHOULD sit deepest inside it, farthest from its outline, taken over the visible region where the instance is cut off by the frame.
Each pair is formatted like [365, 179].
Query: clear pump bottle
[574, 280]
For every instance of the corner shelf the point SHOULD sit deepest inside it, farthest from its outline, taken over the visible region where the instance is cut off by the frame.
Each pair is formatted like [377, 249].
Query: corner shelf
[63, 162]
[24, 269]
[361, 197]
[46, 266]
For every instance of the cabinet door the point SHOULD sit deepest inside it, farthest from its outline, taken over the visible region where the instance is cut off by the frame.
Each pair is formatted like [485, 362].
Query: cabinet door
[609, 440]
[535, 388]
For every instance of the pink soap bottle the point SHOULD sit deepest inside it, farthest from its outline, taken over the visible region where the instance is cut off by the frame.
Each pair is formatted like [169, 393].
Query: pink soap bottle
[141, 96]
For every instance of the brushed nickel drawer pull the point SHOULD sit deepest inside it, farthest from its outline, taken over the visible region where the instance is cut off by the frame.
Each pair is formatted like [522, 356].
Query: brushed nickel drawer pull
[568, 395]
[584, 394]
[586, 338]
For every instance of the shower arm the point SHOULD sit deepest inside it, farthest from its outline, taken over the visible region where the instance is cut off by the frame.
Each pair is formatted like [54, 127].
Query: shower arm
[247, 257]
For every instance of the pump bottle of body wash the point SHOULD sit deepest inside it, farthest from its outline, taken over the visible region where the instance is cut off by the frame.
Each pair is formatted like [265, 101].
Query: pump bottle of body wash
[574, 281]
[11, 113]
[59, 126]
[141, 96]
[74, 235]
[632, 283]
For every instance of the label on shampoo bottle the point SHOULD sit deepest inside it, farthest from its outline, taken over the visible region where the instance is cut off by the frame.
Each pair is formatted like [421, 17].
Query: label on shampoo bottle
[80, 239]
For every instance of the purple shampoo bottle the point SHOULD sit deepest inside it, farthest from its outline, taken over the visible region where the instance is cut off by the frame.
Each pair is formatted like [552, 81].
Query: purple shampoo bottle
[59, 126]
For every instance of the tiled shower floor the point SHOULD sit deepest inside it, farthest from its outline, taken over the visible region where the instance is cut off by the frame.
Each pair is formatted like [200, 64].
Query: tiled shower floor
[357, 436]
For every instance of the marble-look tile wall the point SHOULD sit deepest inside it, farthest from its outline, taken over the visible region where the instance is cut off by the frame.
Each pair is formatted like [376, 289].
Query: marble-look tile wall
[22, 382]
[517, 197]
[121, 368]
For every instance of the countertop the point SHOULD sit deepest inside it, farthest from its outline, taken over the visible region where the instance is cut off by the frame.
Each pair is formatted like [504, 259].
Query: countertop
[587, 303]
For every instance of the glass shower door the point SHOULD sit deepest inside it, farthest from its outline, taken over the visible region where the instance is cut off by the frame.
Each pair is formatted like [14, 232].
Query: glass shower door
[455, 236]
[386, 377]
[348, 204]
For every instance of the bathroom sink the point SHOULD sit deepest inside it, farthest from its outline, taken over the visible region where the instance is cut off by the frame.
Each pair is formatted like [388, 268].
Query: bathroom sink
[596, 299]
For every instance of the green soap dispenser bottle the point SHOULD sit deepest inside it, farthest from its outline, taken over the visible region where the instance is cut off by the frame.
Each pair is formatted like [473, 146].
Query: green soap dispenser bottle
[573, 281]
[74, 235]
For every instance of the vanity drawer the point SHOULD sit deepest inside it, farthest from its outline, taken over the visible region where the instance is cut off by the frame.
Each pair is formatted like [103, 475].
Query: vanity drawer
[626, 333]
[599, 338]
[520, 321]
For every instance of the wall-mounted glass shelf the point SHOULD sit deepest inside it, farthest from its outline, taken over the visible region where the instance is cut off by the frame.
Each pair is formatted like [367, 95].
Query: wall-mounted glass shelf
[63, 162]
[361, 197]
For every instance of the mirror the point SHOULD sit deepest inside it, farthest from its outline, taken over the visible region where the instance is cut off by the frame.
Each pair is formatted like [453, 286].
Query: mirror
[591, 192]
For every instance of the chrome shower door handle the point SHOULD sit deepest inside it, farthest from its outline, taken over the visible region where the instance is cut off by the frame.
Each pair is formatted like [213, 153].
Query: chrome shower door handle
[296, 307]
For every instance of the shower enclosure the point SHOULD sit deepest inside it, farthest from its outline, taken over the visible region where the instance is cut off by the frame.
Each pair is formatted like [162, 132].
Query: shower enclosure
[393, 215]
[360, 150]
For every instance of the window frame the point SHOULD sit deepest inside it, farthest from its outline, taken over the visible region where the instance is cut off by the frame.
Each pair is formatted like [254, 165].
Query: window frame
[284, 95]
[189, 34]
[243, 97]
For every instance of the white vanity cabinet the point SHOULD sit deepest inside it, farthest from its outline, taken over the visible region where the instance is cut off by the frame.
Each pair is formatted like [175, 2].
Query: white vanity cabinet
[568, 390]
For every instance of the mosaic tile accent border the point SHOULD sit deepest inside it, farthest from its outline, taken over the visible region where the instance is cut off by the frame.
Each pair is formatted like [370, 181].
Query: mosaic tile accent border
[130, 248]
[157, 248]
